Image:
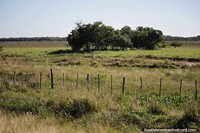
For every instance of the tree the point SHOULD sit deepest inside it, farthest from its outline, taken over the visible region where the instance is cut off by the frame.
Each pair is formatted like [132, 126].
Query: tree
[74, 40]
[176, 44]
[121, 41]
[127, 33]
[91, 36]
[146, 38]
[79, 37]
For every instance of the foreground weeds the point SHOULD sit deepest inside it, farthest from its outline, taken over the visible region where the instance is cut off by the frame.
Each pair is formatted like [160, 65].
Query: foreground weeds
[117, 112]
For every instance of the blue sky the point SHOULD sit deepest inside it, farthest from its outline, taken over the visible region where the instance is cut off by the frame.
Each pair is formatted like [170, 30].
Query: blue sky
[35, 18]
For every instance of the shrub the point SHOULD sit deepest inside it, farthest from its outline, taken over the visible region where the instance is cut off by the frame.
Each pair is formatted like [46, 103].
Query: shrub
[175, 44]
[156, 109]
[81, 107]
[161, 45]
[131, 118]
[191, 117]
[73, 108]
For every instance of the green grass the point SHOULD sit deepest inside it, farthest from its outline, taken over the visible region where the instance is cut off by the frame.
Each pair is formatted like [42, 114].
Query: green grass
[77, 109]
[186, 57]
[182, 52]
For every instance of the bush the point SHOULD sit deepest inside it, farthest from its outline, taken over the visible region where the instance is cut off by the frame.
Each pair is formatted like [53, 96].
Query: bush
[161, 45]
[81, 107]
[156, 109]
[175, 44]
[190, 118]
[73, 108]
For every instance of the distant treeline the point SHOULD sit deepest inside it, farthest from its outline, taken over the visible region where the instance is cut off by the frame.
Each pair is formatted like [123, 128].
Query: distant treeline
[22, 39]
[177, 38]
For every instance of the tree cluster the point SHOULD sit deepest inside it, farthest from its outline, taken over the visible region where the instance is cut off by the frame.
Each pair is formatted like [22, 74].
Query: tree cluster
[98, 36]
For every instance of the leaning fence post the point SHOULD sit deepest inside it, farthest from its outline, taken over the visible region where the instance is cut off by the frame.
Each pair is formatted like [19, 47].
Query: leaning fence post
[141, 83]
[87, 82]
[123, 84]
[77, 81]
[51, 78]
[196, 88]
[160, 93]
[181, 81]
[98, 83]
[111, 87]
[14, 77]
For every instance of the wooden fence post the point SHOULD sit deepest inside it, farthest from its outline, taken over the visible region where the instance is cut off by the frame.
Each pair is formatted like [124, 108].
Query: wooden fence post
[196, 89]
[181, 81]
[98, 83]
[77, 81]
[141, 83]
[88, 82]
[51, 78]
[40, 80]
[160, 93]
[14, 77]
[111, 87]
[63, 79]
[123, 84]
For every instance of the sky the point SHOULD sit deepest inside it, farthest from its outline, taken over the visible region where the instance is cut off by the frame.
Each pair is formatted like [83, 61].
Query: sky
[56, 18]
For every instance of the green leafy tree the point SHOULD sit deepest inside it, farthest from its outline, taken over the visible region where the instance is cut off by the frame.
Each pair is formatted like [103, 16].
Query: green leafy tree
[127, 32]
[91, 36]
[121, 41]
[146, 38]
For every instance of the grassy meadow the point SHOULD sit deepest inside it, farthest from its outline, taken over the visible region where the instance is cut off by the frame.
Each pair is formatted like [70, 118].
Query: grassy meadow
[29, 104]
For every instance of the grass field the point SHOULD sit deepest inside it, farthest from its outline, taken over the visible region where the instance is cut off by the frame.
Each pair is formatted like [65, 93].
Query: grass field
[70, 107]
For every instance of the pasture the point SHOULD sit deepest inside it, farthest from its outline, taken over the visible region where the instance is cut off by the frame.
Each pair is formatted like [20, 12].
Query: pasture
[160, 88]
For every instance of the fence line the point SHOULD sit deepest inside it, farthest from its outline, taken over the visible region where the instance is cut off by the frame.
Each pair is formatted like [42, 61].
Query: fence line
[27, 77]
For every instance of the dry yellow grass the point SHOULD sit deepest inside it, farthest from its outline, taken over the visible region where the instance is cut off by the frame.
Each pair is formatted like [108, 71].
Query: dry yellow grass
[27, 124]
[33, 124]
